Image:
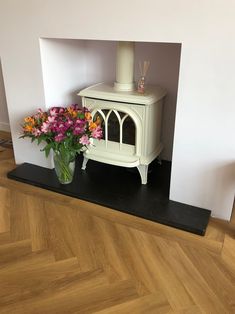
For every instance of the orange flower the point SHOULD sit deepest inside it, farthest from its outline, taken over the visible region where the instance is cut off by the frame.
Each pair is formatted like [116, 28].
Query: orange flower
[28, 128]
[44, 116]
[29, 120]
[72, 112]
[98, 121]
[88, 116]
[92, 126]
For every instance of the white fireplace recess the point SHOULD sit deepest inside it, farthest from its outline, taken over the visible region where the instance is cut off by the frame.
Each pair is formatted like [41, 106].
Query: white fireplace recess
[131, 121]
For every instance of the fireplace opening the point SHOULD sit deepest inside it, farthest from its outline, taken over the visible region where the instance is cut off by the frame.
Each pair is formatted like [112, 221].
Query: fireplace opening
[70, 65]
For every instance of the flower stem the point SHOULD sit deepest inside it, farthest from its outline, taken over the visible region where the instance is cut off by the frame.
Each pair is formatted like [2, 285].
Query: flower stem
[64, 168]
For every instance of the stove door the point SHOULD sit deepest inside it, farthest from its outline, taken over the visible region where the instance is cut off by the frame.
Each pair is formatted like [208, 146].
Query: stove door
[122, 131]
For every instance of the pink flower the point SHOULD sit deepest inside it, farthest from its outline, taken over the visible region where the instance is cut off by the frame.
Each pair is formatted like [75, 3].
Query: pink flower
[36, 132]
[53, 111]
[84, 140]
[61, 125]
[45, 127]
[51, 119]
[39, 114]
[97, 133]
[60, 137]
[61, 110]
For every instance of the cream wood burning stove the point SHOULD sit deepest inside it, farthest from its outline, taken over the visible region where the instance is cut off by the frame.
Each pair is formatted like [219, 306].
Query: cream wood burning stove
[131, 121]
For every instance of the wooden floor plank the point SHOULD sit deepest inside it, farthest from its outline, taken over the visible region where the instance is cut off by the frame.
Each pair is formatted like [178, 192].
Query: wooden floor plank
[189, 310]
[85, 247]
[110, 251]
[12, 252]
[4, 210]
[215, 278]
[162, 271]
[149, 304]
[38, 224]
[61, 238]
[45, 281]
[136, 262]
[79, 300]
[19, 220]
[228, 252]
[201, 293]
[5, 238]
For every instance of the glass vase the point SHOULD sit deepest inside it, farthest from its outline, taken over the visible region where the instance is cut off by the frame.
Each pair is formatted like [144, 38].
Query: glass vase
[64, 167]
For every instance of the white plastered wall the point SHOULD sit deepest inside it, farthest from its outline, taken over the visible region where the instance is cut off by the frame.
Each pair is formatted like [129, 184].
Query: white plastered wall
[64, 70]
[204, 149]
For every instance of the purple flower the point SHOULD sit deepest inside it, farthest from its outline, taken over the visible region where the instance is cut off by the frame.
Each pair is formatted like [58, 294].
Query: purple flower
[80, 121]
[79, 129]
[59, 127]
[84, 140]
[69, 123]
[60, 137]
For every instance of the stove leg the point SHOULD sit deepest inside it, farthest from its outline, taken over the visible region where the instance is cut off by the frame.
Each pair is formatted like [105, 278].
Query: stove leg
[85, 160]
[143, 170]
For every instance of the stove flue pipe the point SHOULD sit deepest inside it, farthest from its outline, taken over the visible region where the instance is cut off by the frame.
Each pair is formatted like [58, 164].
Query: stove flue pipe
[125, 66]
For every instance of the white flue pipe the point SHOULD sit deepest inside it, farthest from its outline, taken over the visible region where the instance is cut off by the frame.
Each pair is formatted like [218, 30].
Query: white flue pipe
[125, 66]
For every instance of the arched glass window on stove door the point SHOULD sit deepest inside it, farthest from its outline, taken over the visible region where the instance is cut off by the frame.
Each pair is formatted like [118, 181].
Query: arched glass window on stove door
[128, 130]
[117, 126]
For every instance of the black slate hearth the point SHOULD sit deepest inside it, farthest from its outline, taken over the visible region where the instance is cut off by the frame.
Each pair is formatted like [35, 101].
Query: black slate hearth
[120, 188]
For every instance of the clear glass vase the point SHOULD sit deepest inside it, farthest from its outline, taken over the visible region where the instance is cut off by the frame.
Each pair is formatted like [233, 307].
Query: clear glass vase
[64, 167]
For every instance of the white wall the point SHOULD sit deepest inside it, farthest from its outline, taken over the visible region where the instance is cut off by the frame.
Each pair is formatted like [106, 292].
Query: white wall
[70, 65]
[64, 70]
[204, 149]
[4, 120]
[101, 61]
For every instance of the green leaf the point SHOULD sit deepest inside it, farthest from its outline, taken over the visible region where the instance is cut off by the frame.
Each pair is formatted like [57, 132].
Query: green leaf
[40, 139]
[47, 149]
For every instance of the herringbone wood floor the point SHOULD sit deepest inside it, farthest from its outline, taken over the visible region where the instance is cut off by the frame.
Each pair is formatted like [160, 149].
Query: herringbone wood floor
[63, 255]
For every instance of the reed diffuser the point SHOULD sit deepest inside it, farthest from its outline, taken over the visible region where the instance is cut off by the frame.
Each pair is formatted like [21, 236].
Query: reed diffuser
[143, 68]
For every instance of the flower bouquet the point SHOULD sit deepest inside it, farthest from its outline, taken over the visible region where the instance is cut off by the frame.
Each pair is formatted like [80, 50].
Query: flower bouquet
[65, 130]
